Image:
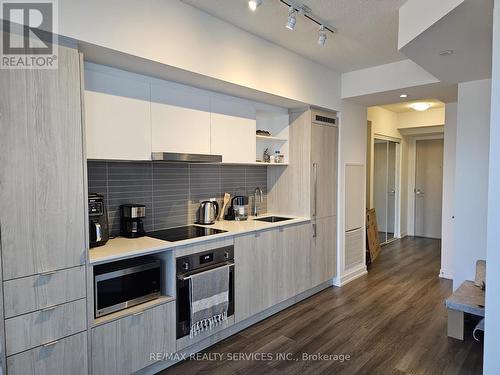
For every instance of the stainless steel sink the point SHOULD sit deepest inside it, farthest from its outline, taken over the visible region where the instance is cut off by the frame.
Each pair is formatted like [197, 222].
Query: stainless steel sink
[273, 219]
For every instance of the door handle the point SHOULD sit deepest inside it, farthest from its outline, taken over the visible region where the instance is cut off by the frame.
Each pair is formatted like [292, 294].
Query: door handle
[98, 235]
[419, 192]
[315, 188]
[315, 234]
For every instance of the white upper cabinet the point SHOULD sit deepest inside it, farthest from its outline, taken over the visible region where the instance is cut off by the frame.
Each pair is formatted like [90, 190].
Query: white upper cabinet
[180, 120]
[233, 130]
[117, 117]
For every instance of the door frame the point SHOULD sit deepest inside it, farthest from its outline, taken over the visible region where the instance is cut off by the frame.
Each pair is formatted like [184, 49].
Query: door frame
[399, 161]
[412, 162]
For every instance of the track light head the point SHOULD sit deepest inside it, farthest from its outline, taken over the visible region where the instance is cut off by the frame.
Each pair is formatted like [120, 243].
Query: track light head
[292, 20]
[254, 4]
[322, 36]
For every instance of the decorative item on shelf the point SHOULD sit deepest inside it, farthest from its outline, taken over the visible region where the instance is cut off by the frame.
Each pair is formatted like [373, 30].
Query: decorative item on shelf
[267, 157]
[264, 133]
[278, 157]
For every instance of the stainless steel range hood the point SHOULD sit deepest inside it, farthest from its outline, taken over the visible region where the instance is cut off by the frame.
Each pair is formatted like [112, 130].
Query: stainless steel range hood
[185, 158]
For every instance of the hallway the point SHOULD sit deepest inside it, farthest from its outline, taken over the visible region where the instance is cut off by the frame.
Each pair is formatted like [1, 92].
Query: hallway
[392, 321]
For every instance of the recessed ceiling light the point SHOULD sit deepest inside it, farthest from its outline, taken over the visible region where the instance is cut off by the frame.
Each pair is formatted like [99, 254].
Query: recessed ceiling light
[446, 52]
[254, 4]
[403, 96]
[322, 36]
[290, 25]
[420, 106]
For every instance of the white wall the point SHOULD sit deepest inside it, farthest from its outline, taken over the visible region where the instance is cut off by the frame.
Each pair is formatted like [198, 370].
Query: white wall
[448, 233]
[471, 178]
[431, 117]
[352, 149]
[492, 339]
[176, 34]
[382, 78]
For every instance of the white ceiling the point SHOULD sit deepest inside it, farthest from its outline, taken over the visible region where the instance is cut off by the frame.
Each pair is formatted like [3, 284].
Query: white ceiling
[467, 30]
[367, 29]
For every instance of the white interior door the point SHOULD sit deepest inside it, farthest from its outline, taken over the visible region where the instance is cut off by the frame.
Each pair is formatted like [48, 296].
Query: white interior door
[428, 187]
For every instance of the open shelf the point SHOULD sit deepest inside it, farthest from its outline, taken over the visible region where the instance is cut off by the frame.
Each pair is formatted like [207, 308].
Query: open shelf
[270, 138]
[132, 310]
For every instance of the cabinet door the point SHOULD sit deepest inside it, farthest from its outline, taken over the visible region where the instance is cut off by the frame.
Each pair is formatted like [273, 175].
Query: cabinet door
[324, 170]
[42, 202]
[124, 345]
[296, 244]
[180, 121]
[233, 131]
[257, 280]
[66, 356]
[117, 117]
[324, 251]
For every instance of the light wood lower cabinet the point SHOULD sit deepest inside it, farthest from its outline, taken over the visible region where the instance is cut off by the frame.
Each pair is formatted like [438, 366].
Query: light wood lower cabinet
[323, 258]
[67, 356]
[41, 327]
[32, 293]
[125, 345]
[271, 267]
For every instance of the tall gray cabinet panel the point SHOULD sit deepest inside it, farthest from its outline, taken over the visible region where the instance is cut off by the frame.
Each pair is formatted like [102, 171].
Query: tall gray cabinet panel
[42, 198]
[324, 159]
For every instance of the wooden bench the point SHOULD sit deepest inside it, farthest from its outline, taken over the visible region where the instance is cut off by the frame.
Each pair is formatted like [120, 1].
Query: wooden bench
[468, 298]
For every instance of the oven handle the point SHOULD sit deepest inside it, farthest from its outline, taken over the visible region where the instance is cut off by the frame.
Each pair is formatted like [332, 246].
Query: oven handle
[227, 265]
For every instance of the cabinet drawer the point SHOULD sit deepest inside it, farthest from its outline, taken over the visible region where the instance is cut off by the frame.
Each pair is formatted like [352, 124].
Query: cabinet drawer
[67, 356]
[37, 292]
[27, 331]
[124, 346]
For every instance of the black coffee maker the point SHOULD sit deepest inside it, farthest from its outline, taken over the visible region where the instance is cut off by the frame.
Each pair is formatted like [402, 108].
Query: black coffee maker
[98, 221]
[131, 220]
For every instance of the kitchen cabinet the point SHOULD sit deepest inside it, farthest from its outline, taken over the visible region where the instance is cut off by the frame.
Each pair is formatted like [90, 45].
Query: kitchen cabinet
[324, 172]
[38, 328]
[117, 116]
[66, 356]
[42, 200]
[124, 346]
[271, 267]
[38, 292]
[180, 120]
[323, 251]
[232, 130]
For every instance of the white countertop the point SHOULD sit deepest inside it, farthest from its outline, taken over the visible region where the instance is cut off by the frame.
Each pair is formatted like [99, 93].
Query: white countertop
[121, 247]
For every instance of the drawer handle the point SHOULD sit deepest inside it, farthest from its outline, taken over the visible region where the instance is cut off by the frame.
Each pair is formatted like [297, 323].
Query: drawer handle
[138, 313]
[48, 273]
[49, 308]
[50, 343]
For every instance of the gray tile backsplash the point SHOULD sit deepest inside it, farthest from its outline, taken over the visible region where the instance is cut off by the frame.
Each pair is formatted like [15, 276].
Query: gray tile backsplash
[170, 191]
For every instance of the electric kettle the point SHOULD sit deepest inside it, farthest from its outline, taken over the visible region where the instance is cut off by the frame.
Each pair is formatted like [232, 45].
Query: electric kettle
[208, 212]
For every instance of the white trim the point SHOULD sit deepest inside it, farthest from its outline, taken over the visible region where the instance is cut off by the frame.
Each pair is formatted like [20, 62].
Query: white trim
[349, 276]
[445, 274]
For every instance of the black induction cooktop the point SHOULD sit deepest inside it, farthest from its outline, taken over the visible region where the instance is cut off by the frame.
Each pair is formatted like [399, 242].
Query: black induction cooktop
[183, 233]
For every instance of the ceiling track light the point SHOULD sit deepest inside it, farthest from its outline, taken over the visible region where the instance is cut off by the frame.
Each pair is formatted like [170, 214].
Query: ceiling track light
[295, 7]
[322, 36]
[292, 20]
[254, 4]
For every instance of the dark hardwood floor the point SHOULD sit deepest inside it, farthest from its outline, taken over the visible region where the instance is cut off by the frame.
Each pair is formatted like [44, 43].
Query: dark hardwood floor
[391, 321]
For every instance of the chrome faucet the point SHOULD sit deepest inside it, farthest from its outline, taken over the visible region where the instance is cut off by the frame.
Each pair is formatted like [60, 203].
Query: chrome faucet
[256, 192]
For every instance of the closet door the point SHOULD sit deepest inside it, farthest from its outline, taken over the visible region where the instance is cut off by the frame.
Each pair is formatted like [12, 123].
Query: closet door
[42, 202]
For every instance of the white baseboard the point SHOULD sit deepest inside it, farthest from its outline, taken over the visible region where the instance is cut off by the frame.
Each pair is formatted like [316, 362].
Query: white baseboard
[350, 275]
[403, 235]
[446, 274]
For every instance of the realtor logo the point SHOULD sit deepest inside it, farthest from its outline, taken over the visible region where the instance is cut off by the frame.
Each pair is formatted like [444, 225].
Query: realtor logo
[29, 39]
